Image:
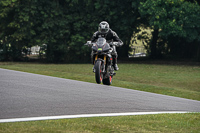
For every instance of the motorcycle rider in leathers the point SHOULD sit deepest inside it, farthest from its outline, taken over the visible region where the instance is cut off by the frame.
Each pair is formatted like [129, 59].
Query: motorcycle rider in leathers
[105, 32]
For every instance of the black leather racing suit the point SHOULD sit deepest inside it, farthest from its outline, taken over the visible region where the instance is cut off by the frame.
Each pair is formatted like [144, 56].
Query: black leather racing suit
[109, 36]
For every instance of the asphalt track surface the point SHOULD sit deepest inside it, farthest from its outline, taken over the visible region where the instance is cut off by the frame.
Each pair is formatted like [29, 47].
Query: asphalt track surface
[24, 95]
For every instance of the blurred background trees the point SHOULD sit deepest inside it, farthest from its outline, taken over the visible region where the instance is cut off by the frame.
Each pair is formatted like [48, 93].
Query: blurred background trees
[176, 27]
[65, 25]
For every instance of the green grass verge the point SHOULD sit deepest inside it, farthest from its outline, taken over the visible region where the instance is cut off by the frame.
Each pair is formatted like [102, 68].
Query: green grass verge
[180, 81]
[169, 123]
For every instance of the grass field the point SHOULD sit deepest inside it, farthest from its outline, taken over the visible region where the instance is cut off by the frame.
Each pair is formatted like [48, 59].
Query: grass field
[175, 80]
[162, 123]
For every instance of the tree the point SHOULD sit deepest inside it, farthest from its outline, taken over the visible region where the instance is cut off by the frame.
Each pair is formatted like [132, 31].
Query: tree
[174, 22]
[64, 25]
[6, 28]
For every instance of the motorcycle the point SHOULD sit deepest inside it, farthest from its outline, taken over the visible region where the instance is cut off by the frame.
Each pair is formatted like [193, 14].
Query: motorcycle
[102, 60]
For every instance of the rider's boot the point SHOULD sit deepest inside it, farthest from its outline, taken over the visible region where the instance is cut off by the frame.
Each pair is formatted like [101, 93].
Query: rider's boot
[93, 69]
[115, 64]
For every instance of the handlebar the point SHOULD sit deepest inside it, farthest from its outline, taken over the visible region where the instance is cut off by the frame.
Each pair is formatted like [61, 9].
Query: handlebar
[89, 43]
[114, 43]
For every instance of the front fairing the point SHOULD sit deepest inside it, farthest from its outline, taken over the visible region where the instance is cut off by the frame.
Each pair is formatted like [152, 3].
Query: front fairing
[101, 45]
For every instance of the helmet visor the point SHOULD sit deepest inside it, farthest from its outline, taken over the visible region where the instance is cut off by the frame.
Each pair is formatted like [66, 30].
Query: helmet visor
[103, 28]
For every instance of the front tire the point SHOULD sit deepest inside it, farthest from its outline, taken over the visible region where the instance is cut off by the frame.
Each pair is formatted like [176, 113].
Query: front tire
[98, 73]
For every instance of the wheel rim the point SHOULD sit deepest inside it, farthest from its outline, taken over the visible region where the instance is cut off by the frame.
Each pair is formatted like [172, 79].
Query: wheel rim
[110, 79]
[100, 75]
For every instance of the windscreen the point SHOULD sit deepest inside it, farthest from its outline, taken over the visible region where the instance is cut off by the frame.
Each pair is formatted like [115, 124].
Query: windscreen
[101, 42]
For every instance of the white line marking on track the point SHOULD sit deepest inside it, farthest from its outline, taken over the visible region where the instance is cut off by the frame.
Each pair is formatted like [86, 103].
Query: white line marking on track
[84, 115]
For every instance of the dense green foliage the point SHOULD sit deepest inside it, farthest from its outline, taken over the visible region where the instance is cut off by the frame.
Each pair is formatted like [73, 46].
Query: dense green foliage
[65, 25]
[176, 25]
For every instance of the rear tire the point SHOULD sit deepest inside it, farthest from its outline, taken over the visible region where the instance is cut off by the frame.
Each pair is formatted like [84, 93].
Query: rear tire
[98, 73]
[108, 81]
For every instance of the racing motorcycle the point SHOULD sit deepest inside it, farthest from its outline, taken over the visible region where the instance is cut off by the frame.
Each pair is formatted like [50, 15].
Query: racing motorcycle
[102, 60]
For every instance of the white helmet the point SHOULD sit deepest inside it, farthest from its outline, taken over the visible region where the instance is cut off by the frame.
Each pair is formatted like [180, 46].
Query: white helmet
[104, 27]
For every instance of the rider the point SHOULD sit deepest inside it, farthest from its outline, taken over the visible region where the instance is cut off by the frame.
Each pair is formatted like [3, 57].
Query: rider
[109, 35]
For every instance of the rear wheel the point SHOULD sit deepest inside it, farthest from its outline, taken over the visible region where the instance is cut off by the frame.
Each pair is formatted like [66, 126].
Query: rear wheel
[108, 81]
[98, 73]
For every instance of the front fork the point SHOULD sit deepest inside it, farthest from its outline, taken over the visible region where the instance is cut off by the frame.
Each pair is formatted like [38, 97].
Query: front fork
[103, 62]
[96, 57]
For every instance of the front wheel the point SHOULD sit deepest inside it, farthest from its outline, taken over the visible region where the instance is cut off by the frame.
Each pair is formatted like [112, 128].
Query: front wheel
[98, 72]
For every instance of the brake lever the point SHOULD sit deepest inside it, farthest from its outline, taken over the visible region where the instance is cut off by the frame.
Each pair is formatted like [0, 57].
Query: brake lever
[89, 43]
[115, 43]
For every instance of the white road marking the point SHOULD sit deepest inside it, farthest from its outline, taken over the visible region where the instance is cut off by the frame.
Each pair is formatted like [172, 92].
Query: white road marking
[84, 115]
